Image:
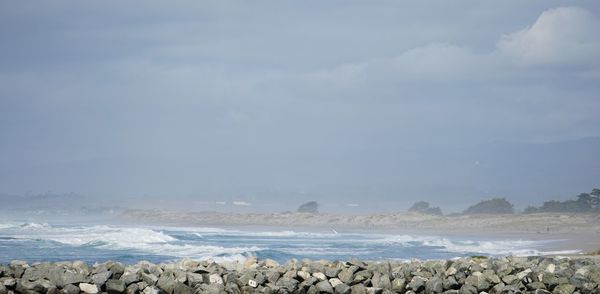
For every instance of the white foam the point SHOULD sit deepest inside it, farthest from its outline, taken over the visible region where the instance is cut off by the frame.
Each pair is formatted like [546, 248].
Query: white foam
[129, 238]
[491, 247]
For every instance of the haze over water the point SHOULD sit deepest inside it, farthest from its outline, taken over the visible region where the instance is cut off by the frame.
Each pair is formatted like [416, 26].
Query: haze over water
[111, 108]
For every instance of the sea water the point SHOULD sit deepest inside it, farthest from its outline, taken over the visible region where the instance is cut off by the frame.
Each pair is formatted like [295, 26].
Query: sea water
[41, 242]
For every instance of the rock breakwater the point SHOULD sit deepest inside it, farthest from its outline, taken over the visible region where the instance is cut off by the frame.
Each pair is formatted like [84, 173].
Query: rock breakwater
[475, 275]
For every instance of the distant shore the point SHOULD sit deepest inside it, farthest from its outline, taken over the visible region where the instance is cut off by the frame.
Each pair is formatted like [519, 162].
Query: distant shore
[573, 231]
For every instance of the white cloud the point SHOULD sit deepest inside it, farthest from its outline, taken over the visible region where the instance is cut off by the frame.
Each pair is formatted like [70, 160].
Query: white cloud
[439, 60]
[563, 37]
[560, 36]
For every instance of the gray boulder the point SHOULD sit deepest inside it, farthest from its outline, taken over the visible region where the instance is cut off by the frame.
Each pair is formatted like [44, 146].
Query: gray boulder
[564, 289]
[70, 289]
[417, 284]
[114, 286]
[324, 287]
[166, 283]
[434, 285]
[342, 289]
[287, 283]
[101, 277]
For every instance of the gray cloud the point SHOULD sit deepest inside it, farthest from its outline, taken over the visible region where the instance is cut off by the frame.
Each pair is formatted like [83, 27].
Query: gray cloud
[340, 98]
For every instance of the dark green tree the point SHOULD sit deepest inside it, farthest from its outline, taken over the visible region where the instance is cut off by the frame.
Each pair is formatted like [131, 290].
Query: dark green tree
[492, 206]
[309, 207]
[424, 207]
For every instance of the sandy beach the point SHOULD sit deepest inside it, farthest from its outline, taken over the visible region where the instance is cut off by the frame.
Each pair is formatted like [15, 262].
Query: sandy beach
[572, 231]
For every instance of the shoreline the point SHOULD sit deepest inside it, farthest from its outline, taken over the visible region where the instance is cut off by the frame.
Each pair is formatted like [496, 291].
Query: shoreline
[565, 231]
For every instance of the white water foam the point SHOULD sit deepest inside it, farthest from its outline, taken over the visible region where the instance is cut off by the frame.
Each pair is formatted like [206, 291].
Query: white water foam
[491, 247]
[164, 241]
[127, 238]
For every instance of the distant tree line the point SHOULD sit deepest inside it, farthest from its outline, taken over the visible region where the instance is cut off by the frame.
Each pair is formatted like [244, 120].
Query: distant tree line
[492, 206]
[424, 207]
[585, 203]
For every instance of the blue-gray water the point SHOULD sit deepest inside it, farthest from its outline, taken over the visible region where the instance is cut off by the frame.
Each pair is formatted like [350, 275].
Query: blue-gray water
[96, 243]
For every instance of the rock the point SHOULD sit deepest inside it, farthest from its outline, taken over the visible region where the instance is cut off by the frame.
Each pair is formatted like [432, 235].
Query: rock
[291, 274]
[71, 276]
[362, 275]
[320, 276]
[470, 275]
[35, 273]
[142, 285]
[151, 279]
[101, 277]
[564, 289]
[287, 283]
[468, 289]
[166, 283]
[215, 279]
[497, 288]
[181, 288]
[536, 285]
[18, 267]
[373, 290]
[39, 286]
[9, 283]
[180, 276]
[303, 275]
[491, 277]
[342, 289]
[251, 262]
[358, 289]
[381, 281]
[477, 280]
[117, 269]
[450, 283]
[451, 271]
[510, 289]
[271, 263]
[398, 285]
[151, 290]
[332, 272]
[130, 278]
[71, 289]
[308, 282]
[273, 276]
[510, 279]
[346, 276]
[434, 285]
[334, 282]
[523, 274]
[132, 289]
[88, 288]
[114, 286]
[193, 279]
[324, 287]
[416, 284]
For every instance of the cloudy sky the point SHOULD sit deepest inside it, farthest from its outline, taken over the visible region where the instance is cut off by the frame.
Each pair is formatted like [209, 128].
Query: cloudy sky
[228, 100]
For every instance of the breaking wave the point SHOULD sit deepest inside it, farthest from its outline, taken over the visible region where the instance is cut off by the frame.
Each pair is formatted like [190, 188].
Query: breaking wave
[160, 243]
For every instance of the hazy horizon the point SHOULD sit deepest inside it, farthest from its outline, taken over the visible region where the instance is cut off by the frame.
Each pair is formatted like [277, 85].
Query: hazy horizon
[273, 104]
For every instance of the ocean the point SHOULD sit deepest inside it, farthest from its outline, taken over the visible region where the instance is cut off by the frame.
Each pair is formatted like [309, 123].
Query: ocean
[43, 242]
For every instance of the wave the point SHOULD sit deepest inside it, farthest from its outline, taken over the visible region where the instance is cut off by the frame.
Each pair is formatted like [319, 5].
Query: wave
[228, 244]
[488, 247]
[128, 238]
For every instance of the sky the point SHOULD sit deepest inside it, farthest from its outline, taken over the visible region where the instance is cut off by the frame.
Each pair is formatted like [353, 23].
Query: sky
[278, 102]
